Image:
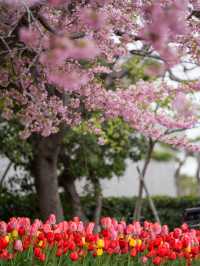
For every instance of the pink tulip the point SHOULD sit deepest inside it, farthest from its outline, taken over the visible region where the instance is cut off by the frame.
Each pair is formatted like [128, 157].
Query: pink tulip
[18, 245]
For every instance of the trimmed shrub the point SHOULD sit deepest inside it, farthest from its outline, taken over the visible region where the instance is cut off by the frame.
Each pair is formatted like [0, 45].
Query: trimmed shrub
[170, 209]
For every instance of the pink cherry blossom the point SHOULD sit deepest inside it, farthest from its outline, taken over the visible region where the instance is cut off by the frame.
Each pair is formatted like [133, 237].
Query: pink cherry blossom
[92, 18]
[59, 68]
[30, 37]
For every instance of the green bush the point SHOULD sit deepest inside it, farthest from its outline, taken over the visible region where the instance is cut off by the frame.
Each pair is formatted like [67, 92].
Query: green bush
[170, 209]
[15, 205]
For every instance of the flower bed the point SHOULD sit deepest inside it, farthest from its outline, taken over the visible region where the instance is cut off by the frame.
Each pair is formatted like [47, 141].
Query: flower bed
[75, 242]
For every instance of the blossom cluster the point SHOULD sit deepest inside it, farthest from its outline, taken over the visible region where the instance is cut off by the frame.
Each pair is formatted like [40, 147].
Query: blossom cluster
[49, 242]
[51, 71]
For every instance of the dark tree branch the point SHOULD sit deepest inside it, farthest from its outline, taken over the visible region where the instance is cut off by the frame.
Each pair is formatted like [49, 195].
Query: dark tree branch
[194, 13]
[138, 206]
[5, 173]
[151, 203]
[48, 27]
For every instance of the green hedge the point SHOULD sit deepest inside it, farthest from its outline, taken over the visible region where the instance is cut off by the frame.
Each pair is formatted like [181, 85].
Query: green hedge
[15, 205]
[170, 209]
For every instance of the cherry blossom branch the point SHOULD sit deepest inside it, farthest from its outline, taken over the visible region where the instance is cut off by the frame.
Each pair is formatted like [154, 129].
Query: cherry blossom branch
[43, 21]
[157, 57]
[195, 13]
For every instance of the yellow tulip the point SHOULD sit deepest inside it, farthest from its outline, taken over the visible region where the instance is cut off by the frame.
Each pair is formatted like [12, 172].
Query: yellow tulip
[83, 240]
[188, 249]
[99, 252]
[40, 243]
[7, 238]
[139, 242]
[14, 233]
[132, 242]
[100, 243]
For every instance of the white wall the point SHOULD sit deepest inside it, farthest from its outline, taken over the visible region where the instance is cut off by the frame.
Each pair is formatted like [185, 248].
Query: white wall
[159, 179]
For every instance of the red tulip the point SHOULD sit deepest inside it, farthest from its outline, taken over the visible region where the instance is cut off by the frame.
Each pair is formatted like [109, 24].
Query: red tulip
[133, 252]
[157, 260]
[21, 231]
[172, 255]
[37, 252]
[59, 252]
[74, 256]
[42, 257]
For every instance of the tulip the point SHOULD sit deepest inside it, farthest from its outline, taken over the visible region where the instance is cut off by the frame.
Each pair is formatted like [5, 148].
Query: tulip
[144, 259]
[133, 252]
[157, 261]
[132, 242]
[100, 243]
[42, 257]
[14, 234]
[74, 256]
[99, 251]
[18, 245]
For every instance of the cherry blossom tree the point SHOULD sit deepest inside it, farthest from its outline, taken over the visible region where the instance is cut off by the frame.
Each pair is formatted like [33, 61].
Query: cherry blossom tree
[54, 52]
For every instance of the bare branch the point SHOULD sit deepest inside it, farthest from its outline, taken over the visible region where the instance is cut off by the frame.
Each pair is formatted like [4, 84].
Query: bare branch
[195, 13]
[138, 206]
[5, 173]
[151, 203]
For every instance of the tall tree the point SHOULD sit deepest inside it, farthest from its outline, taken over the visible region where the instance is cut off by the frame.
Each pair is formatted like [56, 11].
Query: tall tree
[50, 70]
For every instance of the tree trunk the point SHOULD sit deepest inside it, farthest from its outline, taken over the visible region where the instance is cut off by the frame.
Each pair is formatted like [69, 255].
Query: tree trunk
[151, 202]
[177, 176]
[70, 189]
[198, 173]
[44, 169]
[99, 202]
[138, 205]
[5, 174]
[177, 185]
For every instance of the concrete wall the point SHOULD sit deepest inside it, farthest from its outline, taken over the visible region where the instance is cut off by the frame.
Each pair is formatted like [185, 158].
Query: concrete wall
[159, 180]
